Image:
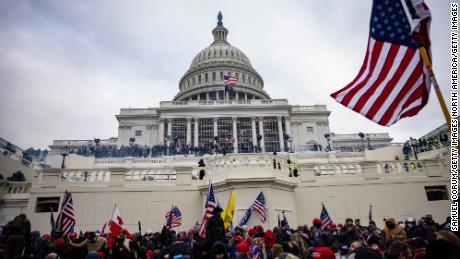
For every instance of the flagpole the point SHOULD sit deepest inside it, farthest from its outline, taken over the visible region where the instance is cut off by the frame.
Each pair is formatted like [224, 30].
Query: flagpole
[427, 62]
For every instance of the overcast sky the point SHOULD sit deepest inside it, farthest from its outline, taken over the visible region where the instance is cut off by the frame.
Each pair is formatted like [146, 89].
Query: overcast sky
[67, 67]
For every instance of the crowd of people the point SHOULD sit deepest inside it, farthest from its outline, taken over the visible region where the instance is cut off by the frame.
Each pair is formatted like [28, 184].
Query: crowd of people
[425, 144]
[350, 240]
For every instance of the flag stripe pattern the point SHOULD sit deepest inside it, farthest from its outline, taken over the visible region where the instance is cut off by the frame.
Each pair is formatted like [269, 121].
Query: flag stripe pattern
[173, 218]
[230, 80]
[392, 83]
[259, 206]
[325, 219]
[66, 218]
[209, 207]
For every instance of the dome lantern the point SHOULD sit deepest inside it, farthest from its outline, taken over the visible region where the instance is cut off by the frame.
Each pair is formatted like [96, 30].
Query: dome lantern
[220, 32]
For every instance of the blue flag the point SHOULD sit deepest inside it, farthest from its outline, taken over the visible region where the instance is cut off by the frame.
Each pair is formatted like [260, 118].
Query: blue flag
[246, 217]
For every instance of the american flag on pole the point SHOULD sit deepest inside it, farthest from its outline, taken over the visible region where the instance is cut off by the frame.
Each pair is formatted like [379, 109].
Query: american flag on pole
[173, 218]
[209, 207]
[259, 206]
[65, 221]
[229, 82]
[325, 219]
[393, 83]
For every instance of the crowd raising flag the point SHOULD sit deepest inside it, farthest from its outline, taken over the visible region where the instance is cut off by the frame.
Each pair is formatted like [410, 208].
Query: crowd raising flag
[65, 221]
[173, 218]
[229, 82]
[209, 207]
[393, 82]
[325, 219]
[227, 214]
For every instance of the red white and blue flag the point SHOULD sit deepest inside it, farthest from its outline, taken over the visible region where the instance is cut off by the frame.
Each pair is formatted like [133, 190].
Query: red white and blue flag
[229, 82]
[173, 218]
[325, 219]
[393, 82]
[65, 221]
[209, 207]
[259, 206]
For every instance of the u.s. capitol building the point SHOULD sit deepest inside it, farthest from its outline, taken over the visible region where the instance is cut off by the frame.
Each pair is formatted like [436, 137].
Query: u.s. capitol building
[247, 138]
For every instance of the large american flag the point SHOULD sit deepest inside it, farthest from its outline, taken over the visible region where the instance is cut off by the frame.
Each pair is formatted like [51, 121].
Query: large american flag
[230, 80]
[393, 83]
[259, 206]
[209, 207]
[65, 221]
[173, 218]
[325, 219]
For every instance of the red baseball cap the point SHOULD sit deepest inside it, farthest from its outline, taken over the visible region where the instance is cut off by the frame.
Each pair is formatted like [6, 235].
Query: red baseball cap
[323, 252]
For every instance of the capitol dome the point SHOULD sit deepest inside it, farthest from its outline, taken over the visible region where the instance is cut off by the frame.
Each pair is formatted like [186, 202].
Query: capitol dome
[204, 80]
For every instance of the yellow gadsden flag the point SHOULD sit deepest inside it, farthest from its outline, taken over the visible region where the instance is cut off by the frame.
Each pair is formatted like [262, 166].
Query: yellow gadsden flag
[227, 214]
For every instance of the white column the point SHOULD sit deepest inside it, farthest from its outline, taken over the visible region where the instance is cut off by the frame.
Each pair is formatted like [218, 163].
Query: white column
[195, 133]
[246, 96]
[169, 130]
[189, 131]
[207, 96]
[215, 127]
[161, 132]
[217, 95]
[254, 133]
[236, 96]
[198, 96]
[235, 136]
[280, 133]
[287, 122]
[261, 132]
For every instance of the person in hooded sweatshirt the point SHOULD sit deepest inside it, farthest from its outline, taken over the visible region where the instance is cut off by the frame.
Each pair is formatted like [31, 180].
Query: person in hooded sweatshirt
[392, 231]
[215, 230]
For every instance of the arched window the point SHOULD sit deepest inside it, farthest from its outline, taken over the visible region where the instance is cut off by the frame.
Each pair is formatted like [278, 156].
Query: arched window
[193, 80]
[231, 52]
[221, 75]
[188, 83]
[199, 79]
[213, 76]
[220, 51]
[249, 80]
[206, 77]
[226, 52]
[244, 78]
[215, 53]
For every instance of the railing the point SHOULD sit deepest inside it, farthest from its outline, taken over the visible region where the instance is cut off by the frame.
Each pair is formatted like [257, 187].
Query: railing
[80, 176]
[337, 169]
[224, 102]
[138, 111]
[310, 108]
[401, 167]
[151, 175]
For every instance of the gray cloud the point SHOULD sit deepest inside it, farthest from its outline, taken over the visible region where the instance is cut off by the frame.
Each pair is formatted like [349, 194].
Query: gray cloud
[67, 67]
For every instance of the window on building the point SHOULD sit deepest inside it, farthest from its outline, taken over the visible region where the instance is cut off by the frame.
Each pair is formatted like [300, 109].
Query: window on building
[249, 80]
[220, 52]
[213, 76]
[436, 193]
[309, 129]
[179, 130]
[225, 134]
[206, 77]
[205, 132]
[193, 80]
[271, 136]
[244, 129]
[138, 133]
[221, 75]
[199, 78]
[188, 83]
[236, 76]
[47, 204]
[244, 78]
